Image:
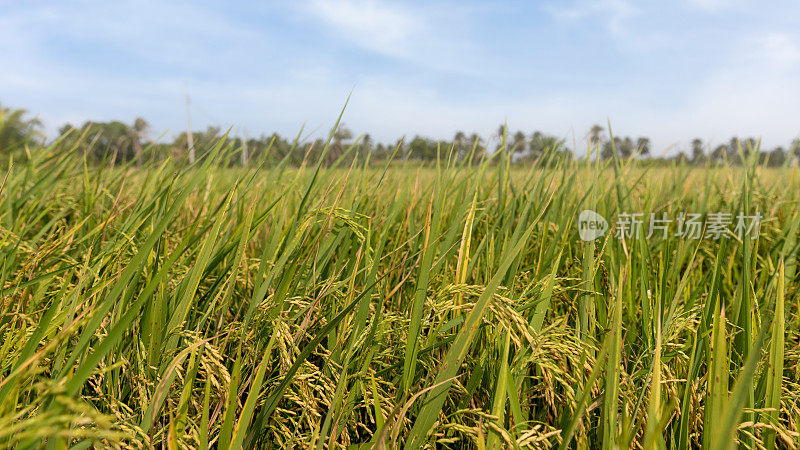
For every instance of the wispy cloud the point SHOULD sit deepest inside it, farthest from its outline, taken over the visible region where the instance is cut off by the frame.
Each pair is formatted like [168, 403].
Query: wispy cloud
[614, 14]
[378, 26]
[434, 38]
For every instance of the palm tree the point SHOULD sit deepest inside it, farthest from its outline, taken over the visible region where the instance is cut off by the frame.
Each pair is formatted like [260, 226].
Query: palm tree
[643, 144]
[366, 142]
[732, 150]
[139, 129]
[16, 130]
[622, 147]
[518, 142]
[476, 142]
[719, 153]
[595, 135]
[501, 135]
[340, 138]
[626, 147]
[458, 143]
[698, 153]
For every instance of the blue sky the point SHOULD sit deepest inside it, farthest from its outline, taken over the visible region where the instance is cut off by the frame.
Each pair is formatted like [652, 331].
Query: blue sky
[669, 70]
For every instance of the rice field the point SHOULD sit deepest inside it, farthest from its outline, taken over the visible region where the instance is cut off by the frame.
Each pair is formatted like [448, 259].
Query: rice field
[383, 306]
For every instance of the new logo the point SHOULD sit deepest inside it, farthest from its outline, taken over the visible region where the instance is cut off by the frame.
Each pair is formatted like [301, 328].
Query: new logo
[591, 225]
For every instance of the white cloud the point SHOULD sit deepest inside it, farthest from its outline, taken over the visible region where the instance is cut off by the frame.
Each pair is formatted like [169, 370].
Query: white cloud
[378, 26]
[431, 37]
[614, 13]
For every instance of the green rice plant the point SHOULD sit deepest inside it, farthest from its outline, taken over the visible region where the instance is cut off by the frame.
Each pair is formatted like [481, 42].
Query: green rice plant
[343, 304]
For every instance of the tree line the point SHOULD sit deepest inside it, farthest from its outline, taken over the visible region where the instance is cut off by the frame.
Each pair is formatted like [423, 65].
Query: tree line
[120, 142]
